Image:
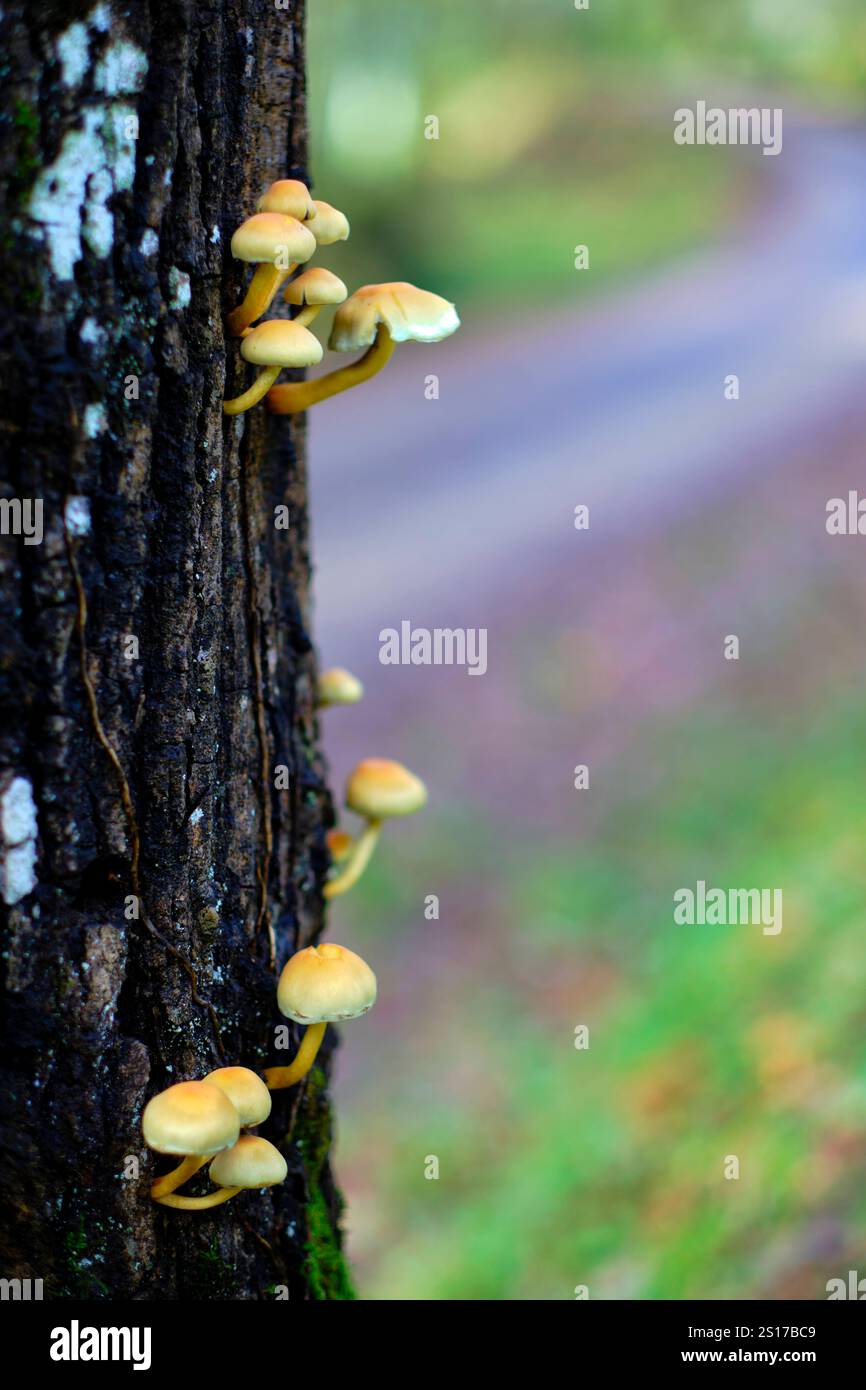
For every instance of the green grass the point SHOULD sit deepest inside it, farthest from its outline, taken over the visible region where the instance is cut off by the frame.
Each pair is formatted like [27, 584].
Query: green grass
[605, 1167]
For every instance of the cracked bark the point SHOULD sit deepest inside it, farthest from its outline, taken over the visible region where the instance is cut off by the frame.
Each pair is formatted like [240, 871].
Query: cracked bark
[101, 1010]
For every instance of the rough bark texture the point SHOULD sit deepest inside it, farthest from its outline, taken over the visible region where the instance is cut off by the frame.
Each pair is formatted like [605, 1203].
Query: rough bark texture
[147, 771]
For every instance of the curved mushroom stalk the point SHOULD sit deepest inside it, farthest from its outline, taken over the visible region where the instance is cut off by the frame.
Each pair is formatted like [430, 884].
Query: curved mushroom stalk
[210, 1199]
[259, 389]
[300, 395]
[377, 789]
[278, 1078]
[178, 1176]
[265, 284]
[274, 344]
[250, 1163]
[356, 861]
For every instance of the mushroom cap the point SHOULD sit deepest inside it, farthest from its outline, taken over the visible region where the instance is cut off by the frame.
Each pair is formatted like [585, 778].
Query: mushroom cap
[339, 844]
[290, 197]
[191, 1117]
[339, 687]
[281, 343]
[315, 286]
[247, 1092]
[251, 1162]
[267, 234]
[325, 984]
[328, 224]
[406, 312]
[379, 788]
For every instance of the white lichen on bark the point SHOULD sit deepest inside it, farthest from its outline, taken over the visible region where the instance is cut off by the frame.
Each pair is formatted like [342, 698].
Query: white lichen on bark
[179, 288]
[18, 832]
[70, 198]
[95, 419]
[77, 516]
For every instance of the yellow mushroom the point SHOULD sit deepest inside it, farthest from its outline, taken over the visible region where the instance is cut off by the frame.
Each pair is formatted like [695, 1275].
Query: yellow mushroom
[276, 245]
[378, 790]
[337, 686]
[192, 1118]
[320, 985]
[328, 224]
[290, 197]
[247, 1092]
[274, 344]
[339, 844]
[250, 1163]
[313, 289]
[375, 317]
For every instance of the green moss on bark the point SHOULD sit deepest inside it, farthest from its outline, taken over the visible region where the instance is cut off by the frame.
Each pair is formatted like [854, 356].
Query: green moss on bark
[325, 1267]
[324, 1264]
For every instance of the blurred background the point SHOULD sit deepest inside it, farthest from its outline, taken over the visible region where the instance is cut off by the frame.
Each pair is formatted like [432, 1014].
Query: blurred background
[604, 387]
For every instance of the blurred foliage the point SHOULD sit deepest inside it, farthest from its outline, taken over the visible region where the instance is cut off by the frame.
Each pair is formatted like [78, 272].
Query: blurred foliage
[556, 1171]
[549, 124]
[561, 1167]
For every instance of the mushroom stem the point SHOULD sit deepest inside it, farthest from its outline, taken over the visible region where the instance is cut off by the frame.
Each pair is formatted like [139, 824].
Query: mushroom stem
[356, 860]
[211, 1199]
[266, 280]
[185, 1170]
[260, 387]
[306, 316]
[300, 395]
[278, 1078]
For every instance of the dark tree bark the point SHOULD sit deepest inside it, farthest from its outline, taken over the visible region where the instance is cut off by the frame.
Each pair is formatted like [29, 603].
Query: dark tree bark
[156, 664]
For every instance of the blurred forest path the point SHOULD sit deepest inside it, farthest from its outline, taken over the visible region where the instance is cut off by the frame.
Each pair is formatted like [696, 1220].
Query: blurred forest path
[618, 403]
[606, 647]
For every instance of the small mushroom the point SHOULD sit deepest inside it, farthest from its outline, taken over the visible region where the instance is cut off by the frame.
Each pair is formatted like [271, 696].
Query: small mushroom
[378, 789]
[191, 1118]
[375, 317]
[274, 344]
[320, 985]
[338, 687]
[312, 290]
[328, 224]
[250, 1163]
[290, 197]
[247, 1092]
[276, 245]
[339, 844]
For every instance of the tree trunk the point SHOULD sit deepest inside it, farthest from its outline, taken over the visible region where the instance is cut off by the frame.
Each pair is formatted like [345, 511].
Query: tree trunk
[156, 667]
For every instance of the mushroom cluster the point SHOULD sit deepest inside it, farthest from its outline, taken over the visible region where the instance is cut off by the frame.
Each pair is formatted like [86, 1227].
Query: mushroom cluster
[207, 1122]
[283, 235]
